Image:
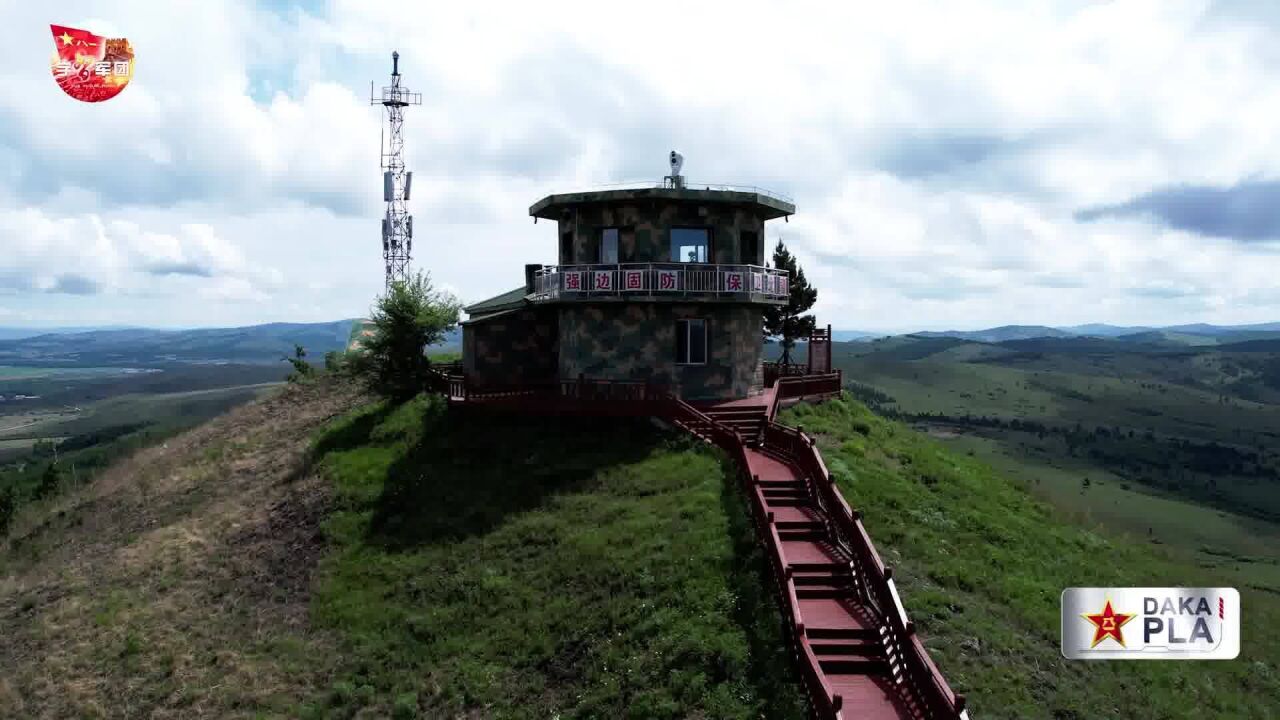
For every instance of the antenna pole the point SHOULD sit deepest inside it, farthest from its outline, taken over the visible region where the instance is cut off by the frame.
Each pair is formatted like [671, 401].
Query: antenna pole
[397, 223]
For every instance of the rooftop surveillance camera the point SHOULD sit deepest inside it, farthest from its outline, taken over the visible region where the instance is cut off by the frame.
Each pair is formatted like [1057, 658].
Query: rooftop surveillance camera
[677, 162]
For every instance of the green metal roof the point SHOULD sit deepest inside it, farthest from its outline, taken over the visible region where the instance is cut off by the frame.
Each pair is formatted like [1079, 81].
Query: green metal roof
[765, 203]
[506, 301]
[477, 319]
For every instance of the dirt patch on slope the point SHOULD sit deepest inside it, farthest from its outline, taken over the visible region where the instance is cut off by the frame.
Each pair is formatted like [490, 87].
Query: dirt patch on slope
[177, 584]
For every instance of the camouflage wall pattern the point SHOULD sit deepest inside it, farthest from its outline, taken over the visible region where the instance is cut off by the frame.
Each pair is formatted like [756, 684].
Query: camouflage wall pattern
[636, 341]
[645, 230]
[519, 346]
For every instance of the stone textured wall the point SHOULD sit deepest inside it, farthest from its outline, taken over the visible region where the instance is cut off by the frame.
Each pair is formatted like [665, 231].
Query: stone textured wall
[518, 347]
[636, 341]
[645, 230]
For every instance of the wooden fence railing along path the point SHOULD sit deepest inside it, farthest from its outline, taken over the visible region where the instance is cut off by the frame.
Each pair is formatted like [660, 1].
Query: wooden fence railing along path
[857, 651]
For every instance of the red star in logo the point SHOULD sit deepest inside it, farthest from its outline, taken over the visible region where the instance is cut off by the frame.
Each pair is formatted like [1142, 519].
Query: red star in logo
[1107, 624]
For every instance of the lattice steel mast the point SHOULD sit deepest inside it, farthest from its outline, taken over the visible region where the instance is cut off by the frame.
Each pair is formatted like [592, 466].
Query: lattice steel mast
[397, 223]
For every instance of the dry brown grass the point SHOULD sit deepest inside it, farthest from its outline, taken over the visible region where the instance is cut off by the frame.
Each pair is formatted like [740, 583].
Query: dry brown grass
[177, 584]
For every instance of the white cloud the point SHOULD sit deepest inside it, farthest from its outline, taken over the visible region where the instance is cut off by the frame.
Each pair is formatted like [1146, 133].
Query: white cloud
[938, 153]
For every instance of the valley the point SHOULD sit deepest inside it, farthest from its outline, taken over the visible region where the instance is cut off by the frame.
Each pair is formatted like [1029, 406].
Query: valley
[1164, 443]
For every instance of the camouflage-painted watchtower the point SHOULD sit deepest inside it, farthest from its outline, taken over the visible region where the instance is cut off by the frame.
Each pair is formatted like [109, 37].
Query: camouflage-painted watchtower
[661, 284]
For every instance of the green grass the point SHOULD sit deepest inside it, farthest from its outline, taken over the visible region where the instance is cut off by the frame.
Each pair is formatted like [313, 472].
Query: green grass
[981, 565]
[502, 567]
[1066, 398]
[1248, 549]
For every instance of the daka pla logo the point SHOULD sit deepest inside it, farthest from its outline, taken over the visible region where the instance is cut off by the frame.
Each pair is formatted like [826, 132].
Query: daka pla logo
[1173, 623]
[89, 67]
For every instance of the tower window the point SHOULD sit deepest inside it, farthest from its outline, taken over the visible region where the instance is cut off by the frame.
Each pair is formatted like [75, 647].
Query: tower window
[609, 246]
[690, 245]
[566, 248]
[749, 245]
[691, 341]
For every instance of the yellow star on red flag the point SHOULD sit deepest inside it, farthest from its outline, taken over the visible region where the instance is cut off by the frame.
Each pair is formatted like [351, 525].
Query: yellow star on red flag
[1107, 624]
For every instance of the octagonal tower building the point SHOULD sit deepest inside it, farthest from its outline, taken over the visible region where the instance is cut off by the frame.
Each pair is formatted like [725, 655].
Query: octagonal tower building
[663, 284]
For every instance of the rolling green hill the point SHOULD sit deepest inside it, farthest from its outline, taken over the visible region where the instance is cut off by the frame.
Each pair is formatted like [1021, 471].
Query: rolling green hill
[982, 563]
[347, 558]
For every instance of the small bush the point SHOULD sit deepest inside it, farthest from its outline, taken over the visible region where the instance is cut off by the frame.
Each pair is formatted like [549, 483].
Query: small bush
[301, 368]
[50, 481]
[410, 317]
[335, 361]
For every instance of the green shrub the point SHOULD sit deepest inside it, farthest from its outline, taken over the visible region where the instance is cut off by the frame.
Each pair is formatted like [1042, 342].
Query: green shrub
[301, 368]
[410, 317]
[50, 481]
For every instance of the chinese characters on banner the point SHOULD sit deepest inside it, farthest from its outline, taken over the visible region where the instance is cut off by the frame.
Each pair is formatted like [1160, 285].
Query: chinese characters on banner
[757, 282]
[667, 280]
[733, 282]
[633, 280]
[572, 280]
[602, 280]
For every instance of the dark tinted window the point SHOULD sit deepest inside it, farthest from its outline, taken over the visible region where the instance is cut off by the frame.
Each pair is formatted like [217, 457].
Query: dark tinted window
[749, 242]
[691, 341]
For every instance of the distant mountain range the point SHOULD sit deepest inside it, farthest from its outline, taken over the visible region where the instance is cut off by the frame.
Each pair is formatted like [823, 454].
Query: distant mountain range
[142, 346]
[267, 343]
[1193, 334]
[18, 333]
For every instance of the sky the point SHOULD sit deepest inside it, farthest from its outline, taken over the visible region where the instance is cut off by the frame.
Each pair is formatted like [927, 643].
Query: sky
[954, 165]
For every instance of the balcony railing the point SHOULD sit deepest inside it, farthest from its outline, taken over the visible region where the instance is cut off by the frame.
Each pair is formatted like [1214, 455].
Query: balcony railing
[750, 283]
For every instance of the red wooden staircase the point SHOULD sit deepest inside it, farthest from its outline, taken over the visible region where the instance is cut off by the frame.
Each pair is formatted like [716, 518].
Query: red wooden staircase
[857, 652]
[747, 422]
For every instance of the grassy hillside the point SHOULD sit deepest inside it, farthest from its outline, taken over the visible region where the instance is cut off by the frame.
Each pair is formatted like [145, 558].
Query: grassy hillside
[513, 567]
[314, 555]
[297, 558]
[982, 565]
[1198, 425]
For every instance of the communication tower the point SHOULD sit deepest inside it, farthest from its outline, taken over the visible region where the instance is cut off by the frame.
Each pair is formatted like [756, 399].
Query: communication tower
[397, 223]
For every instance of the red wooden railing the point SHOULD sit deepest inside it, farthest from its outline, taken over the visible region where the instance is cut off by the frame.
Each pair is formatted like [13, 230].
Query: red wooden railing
[774, 370]
[909, 660]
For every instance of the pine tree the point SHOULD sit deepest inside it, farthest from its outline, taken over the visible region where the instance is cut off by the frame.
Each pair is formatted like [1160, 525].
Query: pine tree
[788, 323]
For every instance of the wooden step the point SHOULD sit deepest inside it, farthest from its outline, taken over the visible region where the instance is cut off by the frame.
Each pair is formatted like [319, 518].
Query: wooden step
[840, 577]
[817, 566]
[855, 666]
[810, 526]
[788, 502]
[846, 648]
[841, 633]
[834, 592]
[802, 534]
